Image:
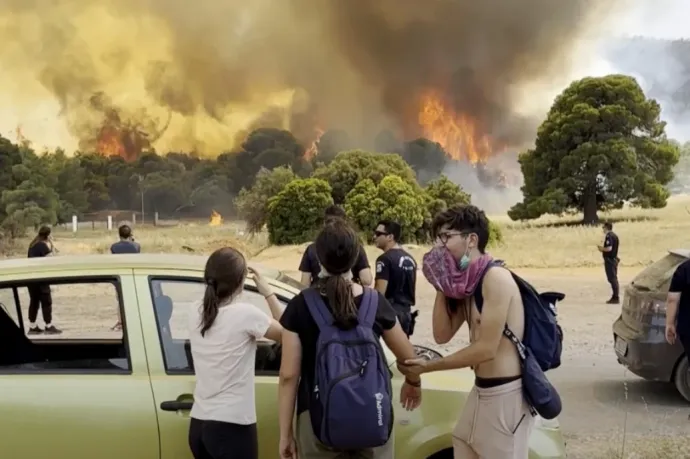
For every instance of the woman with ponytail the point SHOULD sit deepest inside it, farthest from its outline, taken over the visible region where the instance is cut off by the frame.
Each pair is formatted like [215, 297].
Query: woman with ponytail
[223, 333]
[40, 296]
[337, 248]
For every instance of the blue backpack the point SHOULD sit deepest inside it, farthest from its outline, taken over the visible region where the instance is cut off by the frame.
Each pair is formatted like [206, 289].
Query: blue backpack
[541, 347]
[351, 407]
[543, 336]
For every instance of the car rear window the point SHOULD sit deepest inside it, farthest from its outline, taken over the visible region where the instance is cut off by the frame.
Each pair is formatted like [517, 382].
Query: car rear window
[658, 273]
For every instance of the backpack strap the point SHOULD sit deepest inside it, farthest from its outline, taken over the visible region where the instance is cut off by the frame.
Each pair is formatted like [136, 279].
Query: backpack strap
[317, 308]
[478, 295]
[367, 310]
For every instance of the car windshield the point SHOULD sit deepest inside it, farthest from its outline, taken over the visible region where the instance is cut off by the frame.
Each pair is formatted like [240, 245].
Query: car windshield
[657, 274]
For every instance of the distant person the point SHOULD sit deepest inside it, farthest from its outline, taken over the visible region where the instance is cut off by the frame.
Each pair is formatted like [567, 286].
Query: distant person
[678, 307]
[126, 244]
[310, 267]
[223, 333]
[611, 260]
[40, 296]
[396, 273]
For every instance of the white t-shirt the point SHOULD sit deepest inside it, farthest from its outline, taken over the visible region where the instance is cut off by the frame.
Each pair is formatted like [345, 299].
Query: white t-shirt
[224, 363]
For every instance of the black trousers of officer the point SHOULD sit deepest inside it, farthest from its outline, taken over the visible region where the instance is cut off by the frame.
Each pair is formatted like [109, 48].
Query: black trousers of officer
[611, 269]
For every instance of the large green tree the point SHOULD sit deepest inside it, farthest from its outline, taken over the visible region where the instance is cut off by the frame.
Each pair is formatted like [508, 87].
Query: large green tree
[601, 145]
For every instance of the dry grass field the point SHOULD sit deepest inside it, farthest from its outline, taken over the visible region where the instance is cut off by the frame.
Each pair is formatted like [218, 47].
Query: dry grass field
[553, 253]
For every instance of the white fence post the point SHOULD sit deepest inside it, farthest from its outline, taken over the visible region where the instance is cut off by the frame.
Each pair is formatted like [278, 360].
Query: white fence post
[75, 224]
[134, 218]
[110, 222]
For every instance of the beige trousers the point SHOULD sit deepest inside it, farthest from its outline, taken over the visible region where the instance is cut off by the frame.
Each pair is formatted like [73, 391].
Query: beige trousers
[495, 423]
[309, 447]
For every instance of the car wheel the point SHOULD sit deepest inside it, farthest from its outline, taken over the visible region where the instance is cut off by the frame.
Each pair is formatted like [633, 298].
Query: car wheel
[427, 353]
[681, 378]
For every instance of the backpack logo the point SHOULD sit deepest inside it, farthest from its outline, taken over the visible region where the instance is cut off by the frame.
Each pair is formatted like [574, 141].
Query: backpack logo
[379, 408]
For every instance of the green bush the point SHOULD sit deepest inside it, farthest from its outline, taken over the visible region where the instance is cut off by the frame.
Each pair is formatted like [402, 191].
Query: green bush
[252, 203]
[349, 168]
[495, 234]
[296, 213]
[392, 199]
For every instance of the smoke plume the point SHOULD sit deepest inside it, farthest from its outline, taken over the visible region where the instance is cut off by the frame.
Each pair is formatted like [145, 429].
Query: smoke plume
[218, 68]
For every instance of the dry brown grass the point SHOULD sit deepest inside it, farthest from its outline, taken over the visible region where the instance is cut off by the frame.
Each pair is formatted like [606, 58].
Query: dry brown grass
[545, 243]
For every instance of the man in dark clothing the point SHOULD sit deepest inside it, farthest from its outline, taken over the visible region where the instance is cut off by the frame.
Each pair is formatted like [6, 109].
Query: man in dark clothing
[40, 296]
[126, 243]
[396, 273]
[310, 267]
[610, 252]
[678, 307]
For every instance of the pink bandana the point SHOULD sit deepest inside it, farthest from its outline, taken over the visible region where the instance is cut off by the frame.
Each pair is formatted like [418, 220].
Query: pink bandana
[441, 270]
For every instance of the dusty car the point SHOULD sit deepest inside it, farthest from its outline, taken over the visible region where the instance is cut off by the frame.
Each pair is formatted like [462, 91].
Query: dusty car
[639, 333]
[93, 392]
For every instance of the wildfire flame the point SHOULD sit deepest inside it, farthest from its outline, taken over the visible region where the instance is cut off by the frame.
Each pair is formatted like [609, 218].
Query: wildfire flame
[110, 142]
[313, 148]
[216, 219]
[456, 132]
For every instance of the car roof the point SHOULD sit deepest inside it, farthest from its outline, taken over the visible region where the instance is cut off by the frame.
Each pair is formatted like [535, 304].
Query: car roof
[685, 253]
[124, 261]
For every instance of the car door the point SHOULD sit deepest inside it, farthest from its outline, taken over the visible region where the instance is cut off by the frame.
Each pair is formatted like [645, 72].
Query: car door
[165, 301]
[82, 394]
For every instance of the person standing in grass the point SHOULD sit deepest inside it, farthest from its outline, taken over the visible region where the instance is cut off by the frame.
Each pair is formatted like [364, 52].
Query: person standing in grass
[610, 252]
[39, 292]
[126, 244]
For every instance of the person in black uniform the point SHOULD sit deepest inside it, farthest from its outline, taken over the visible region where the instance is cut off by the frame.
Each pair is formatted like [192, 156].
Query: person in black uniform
[310, 267]
[610, 252]
[396, 273]
[39, 293]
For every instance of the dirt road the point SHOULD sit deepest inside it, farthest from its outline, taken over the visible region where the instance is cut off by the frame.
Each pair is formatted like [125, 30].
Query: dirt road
[604, 405]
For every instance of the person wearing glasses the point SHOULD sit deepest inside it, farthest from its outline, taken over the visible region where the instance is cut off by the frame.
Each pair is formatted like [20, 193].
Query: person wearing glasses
[311, 268]
[396, 273]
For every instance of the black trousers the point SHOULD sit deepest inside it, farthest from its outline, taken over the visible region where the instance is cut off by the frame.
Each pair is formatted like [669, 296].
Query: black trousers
[407, 318]
[223, 440]
[611, 269]
[40, 298]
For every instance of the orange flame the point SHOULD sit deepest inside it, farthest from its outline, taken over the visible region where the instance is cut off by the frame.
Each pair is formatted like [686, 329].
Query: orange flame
[110, 142]
[313, 148]
[456, 132]
[216, 219]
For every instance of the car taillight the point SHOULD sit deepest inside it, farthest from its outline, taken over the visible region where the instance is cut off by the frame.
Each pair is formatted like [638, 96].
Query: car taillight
[654, 307]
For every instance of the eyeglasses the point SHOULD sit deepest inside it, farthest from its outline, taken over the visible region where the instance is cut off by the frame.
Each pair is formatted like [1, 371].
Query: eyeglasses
[445, 237]
[380, 233]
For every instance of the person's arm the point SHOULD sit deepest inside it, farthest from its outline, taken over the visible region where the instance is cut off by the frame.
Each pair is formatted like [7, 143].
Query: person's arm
[607, 247]
[305, 268]
[259, 325]
[444, 322]
[498, 290]
[288, 381]
[382, 274]
[363, 269]
[274, 305]
[673, 297]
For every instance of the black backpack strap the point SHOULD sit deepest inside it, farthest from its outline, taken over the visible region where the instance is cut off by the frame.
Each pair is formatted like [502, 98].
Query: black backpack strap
[478, 295]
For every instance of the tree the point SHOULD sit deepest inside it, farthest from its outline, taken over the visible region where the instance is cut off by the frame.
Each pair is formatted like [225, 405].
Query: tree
[427, 158]
[252, 203]
[442, 194]
[392, 199]
[30, 204]
[296, 213]
[602, 144]
[681, 173]
[351, 167]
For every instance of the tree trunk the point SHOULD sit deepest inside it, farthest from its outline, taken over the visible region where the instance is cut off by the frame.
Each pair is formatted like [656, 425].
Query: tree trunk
[590, 208]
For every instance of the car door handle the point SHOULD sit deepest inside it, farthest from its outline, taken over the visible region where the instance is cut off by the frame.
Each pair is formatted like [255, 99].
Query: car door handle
[174, 405]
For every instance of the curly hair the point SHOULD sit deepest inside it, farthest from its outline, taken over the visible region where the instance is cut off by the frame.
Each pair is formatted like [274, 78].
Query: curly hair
[465, 219]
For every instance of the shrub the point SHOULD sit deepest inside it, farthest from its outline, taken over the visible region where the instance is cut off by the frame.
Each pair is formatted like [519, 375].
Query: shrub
[252, 203]
[296, 213]
[349, 168]
[393, 199]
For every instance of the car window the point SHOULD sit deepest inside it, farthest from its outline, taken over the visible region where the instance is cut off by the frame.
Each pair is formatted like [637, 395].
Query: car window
[85, 312]
[174, 300]
[658, 275]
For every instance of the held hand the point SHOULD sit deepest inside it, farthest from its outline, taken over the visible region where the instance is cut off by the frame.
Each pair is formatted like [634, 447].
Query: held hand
[413, 367]
[671, 333]
[410, 396]
[261, 284]
[287, 448]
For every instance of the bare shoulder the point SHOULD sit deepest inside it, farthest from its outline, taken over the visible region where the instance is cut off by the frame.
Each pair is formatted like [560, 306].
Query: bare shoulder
[499, 280]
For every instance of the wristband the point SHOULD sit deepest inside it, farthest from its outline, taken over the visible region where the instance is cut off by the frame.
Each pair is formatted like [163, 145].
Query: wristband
[413, 383]
[269, 295]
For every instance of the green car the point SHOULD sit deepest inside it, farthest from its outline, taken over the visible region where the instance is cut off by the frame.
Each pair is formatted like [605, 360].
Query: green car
[98, 391]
